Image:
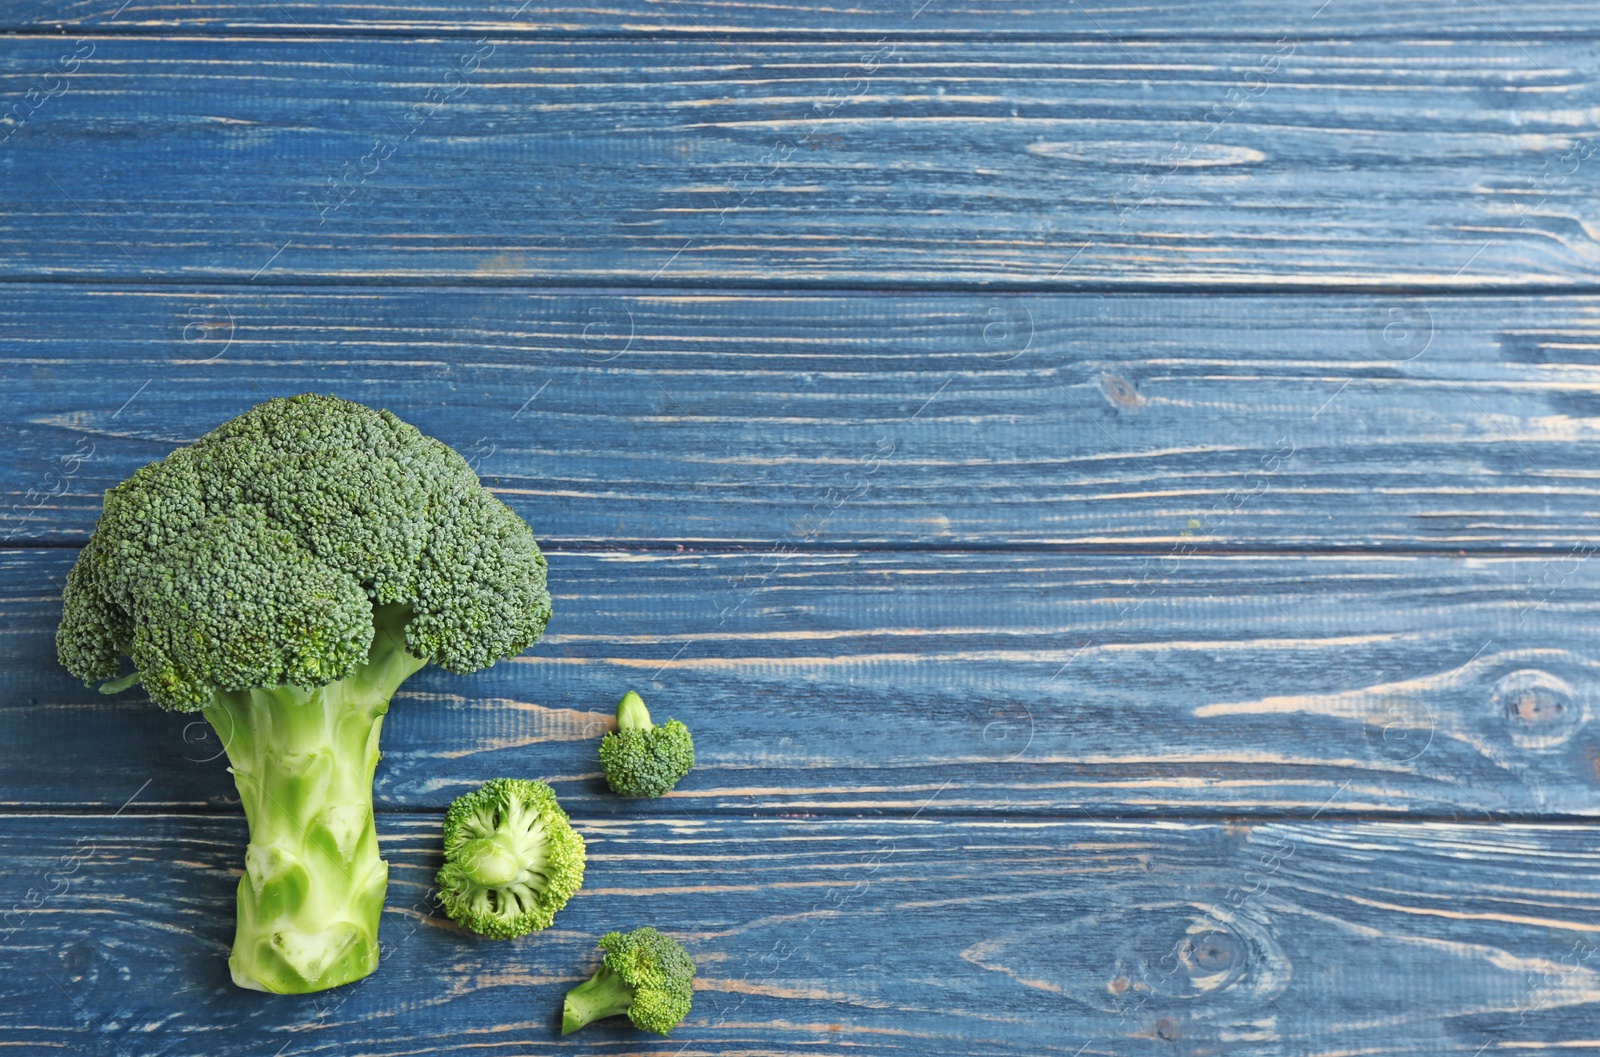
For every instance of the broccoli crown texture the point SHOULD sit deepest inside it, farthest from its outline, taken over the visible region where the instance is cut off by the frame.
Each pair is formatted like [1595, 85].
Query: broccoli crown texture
[641, 758]
[254, 558]
[512, 858]
[646, 975]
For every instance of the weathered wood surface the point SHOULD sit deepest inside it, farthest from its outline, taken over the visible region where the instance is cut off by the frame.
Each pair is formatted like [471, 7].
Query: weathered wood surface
[1033, 713]
[639, 419]
[1230, 19]
[970, 936]
[860, 682]
[1301, 165]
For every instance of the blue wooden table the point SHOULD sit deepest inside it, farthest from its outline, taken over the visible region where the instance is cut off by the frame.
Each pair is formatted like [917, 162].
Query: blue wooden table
[1112, 488]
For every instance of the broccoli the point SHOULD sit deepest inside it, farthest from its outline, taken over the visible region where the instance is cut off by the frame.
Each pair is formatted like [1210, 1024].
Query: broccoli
[283, 575]
[640, 758]
[646, 975]
[512, 858]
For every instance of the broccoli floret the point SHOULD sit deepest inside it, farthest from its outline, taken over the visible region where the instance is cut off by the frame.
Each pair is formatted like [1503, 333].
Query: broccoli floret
[640, 758]
[283, 575]
[512, 858]
[646, 975]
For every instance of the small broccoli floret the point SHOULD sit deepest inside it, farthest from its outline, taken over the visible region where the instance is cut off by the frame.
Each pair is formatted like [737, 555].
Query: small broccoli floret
[283, 575]
[512, 858]
[640, 758]
[646, 975]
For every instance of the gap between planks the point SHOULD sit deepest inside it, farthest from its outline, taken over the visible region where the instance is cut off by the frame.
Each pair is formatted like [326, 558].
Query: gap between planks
[784, 285]
[927, 812]
[503, 30]
[721, 548]
[797, 289]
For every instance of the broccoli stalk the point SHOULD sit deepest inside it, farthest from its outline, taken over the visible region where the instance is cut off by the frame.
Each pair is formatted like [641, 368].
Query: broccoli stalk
[640, 758]
[283, 575]
[632, 713]
[605, 994]
[646, 975]
[303, 761]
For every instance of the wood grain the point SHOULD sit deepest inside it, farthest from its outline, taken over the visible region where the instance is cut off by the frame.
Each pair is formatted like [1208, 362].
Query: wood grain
[1091, 649]
[861, 682]
[980, 936]
[969, 420]
[1231, 19]
[1303, 165]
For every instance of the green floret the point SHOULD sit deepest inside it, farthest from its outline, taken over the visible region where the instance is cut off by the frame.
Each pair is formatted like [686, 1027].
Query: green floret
[283, 575]
[646, 975]
[640, 758]
[512, 859]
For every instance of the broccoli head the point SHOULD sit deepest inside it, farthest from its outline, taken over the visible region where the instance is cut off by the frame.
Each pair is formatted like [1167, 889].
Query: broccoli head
[283, 575]
[640, 758]
[512, 858]
[646, 975]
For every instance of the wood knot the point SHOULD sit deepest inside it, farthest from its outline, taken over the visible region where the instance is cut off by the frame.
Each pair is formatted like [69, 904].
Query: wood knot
[1540, 709]
[1211, 958]
[1144, 960]
[1537, 705]
[1215, 952]
[1119, 390]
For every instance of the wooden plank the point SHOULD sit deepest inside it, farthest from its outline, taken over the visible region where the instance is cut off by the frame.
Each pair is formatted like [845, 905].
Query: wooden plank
[975, 936]
[1302, 165]
[903, 18]
[862, 682]
[927, 420]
